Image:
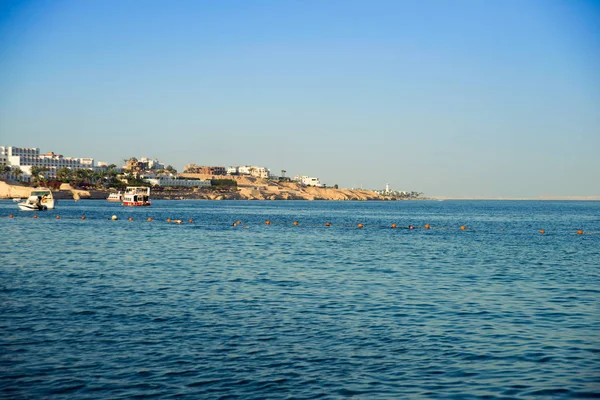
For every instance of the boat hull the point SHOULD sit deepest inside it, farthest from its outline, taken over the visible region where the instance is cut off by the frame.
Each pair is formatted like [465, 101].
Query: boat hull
[31, 207]
[136, 203]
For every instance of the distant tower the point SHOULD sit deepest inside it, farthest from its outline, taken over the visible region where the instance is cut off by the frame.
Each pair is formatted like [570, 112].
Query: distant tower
[387, 188]
[283, 171]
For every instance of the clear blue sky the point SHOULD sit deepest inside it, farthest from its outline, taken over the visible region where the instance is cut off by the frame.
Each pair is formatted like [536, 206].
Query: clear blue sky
[458, 98]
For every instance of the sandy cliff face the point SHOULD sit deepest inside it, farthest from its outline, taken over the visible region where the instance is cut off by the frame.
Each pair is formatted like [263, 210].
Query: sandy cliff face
[250, 188]
[11, 191]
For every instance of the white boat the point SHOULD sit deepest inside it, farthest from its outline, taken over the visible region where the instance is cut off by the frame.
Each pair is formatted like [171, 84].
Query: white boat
[136, 196]
[115, 196]
[38, 200]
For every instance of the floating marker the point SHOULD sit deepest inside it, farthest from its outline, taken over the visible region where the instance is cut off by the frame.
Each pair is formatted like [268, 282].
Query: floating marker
[580, 231]
[268, 222]
[393, 226]
[35, 216]
[427, 226]
[83, 217]
[360, 226]
[463, 228]
[190, 220]
[130, 219]
[58, 217]
[168, 219]
[295, 223]
[10, 216]
[149, 219]
[542, 231]
[114, 218]
[327, 224]
[411, 227]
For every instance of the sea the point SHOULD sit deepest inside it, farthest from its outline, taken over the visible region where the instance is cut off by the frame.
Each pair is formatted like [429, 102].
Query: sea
[232, 300]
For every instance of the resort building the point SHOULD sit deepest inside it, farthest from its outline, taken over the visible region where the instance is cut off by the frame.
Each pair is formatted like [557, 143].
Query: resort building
[143, 164]
[199, 169]
[26, 158]
[308, 181]
[173, 181]
[250, 170]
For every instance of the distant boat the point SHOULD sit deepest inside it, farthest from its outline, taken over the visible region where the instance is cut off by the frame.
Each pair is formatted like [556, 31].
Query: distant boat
[136, 196]
[38, 200]
[115, 196]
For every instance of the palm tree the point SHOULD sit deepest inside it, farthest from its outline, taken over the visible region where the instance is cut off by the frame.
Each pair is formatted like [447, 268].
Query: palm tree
[17, 172]
[35, 175]
[82, 175]
[6, 171]
[64, 174]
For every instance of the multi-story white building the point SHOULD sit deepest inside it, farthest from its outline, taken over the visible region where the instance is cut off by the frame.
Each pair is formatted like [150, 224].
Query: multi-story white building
[252, 170]
[152, 163]
[308, 180]
[26, 158]
[178, 182]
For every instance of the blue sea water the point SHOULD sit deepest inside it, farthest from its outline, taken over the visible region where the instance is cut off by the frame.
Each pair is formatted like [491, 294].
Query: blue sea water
[97, 308]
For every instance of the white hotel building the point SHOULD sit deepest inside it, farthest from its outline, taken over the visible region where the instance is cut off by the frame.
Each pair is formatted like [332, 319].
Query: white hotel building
[25, 158]
[252, 170]
[308, 181]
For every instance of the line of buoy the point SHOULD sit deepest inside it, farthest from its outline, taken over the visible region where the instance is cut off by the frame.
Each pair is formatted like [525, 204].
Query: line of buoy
[296, 223]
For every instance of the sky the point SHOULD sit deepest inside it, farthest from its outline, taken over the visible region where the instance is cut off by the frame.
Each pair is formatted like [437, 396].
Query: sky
[448, 98]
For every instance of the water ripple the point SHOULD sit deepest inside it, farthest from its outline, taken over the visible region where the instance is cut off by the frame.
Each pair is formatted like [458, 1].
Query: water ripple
[119, 309]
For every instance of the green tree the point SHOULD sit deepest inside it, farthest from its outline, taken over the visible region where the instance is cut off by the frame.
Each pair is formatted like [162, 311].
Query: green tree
[35, 174]
[335, 186]
[18, 172]
[171, 169]
[64, 174]
[5, 171]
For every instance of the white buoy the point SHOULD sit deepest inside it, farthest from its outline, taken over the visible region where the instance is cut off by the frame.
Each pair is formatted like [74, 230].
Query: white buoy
[114, 218]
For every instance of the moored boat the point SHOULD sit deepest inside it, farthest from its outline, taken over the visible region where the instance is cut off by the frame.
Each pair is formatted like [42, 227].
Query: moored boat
[38, 200]
[115, 196]
[136, 196]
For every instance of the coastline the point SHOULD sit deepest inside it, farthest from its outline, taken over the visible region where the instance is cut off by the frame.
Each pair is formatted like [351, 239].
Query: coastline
[247, 189]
